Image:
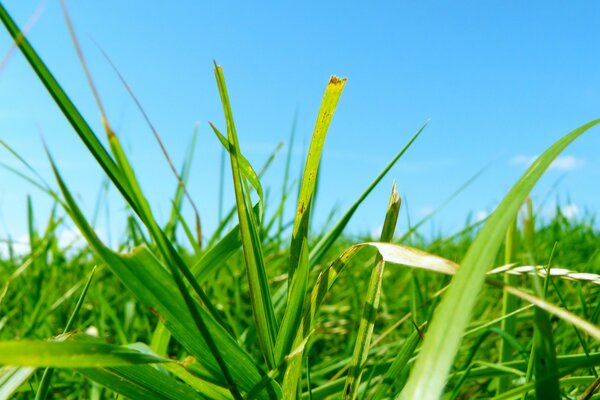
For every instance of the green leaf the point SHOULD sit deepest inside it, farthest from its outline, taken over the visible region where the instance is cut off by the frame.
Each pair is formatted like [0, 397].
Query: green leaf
[260, 295]
[299, 266]
[452, 315]
[154, 288]
[68, 354]
[325, 242]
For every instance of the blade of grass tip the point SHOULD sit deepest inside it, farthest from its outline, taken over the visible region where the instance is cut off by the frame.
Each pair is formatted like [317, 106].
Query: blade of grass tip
[44, 385]
[190, 305]
[65, 104]
[371, 303]
[452, 315]
[299, 267]
[325, 243]
[262, 307]
[181, 178]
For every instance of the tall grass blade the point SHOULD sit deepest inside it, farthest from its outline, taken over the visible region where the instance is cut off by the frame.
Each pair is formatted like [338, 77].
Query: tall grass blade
[219, 352]
[67, 107]
[450, 319]
[299, 261]
[260, 295]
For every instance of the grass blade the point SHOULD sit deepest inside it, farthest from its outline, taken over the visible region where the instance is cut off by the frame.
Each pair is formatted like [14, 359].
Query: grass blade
[260, 295]
[325, 243]
[61, 99]
[299, 262]
[448, 325]
[216, 348]
[70, 354]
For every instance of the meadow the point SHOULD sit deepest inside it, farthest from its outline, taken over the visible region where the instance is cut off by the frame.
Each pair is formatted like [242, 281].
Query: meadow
[266, 308]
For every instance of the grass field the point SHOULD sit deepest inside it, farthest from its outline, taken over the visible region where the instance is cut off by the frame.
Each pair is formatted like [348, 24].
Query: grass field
[268, 308]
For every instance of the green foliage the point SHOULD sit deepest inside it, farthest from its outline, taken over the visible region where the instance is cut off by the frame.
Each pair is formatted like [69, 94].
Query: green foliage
[247, 316]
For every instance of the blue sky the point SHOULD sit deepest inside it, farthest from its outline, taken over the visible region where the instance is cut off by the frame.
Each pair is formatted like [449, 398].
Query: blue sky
[500, 82]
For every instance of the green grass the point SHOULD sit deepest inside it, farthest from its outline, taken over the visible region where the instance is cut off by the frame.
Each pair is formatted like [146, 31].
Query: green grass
[251, 313]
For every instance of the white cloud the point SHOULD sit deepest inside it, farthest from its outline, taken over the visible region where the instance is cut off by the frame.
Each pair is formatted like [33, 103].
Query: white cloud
[481, 215]
[567, 163]
[570, 211]
[562, 163]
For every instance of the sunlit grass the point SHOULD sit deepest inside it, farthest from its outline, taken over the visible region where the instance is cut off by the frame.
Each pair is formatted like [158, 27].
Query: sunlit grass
[250, 313]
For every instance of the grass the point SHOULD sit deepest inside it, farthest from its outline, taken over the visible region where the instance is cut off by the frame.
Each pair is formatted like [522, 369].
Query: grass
[499, 310]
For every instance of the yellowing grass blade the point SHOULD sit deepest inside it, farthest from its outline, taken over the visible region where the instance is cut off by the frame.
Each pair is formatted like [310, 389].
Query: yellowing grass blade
[299, 266]
[452, 315]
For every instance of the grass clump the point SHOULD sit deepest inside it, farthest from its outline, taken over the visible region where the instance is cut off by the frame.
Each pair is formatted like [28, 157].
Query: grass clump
[501, 310]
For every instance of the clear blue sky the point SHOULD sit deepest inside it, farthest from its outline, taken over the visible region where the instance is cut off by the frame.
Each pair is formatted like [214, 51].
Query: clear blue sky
[500, 80]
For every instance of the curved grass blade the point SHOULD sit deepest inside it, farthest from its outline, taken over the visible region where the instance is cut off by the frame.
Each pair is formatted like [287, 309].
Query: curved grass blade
[260, 295]
[219, 352]
[70, 354]
[371, 303]
[325, 243]
[65, 104]
[448, 325]
[299, 257]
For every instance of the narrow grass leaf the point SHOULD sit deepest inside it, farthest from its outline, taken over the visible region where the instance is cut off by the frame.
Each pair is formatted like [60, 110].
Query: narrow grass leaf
[219, 352]
[67, 354]
[61, 99]
[260, 295]
[452, 315]
[371, 303]
[324, 244]
[299, 257]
